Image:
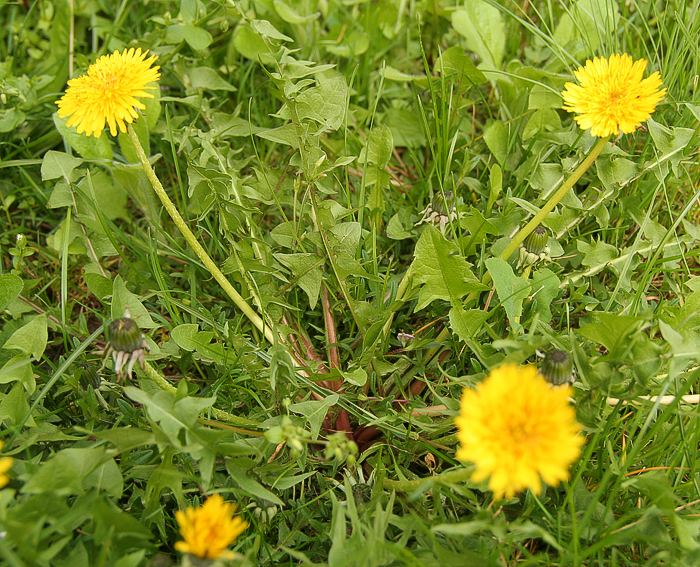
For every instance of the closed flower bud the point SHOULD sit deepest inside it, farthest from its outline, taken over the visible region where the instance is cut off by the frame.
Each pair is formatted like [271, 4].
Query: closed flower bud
[536, 241]
[557, 368]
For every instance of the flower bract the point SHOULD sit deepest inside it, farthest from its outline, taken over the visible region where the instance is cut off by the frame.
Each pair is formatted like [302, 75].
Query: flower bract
[611, 96]
[209, 529]
[109, 92]
[518, 430]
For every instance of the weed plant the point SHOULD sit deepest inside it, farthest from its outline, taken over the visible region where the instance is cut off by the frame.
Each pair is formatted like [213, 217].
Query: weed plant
[357, 172]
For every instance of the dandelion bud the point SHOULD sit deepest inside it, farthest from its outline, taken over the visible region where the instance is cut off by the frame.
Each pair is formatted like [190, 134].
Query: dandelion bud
[126, 344]
[536, 241]
[124, 335]
[557, 367]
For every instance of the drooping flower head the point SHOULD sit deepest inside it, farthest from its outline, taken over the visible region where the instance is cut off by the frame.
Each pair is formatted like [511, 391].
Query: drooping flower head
[209, 529]
[611, 96]
[5, 465]
[109, 92]
[518, 430]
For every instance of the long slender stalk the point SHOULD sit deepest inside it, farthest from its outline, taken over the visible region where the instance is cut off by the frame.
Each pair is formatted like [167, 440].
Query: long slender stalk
[197, 248]
[553, 201]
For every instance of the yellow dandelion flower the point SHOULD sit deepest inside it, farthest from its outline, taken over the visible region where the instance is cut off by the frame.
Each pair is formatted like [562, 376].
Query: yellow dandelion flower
[611, 96]
[518, 430]
[109, 92]
[5, 465]
[209, 529]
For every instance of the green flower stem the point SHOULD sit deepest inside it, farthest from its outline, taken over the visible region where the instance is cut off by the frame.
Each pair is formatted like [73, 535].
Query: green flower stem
[456, 475]
[553, 201]
[221, 415]
[198, 249]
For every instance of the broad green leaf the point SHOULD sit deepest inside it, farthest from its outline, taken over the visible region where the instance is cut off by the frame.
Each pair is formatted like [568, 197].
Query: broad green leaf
[123, 299]
[31, 338]
[545, 289]
[10, 288]
[58, 164]
[597, 255]
[405, 126]
[496, 138]
[290, 15]
[395, 229]
[377, 150]
[76, 470]
[611, 330]
[251, 45]
[482, 26]
[197, 38]
[189, 338]
[357, 377]
[126, 438]
[615, 171]
[266, 29]
[241, 471]
[307, 272]
[87, 146]
[511, 290]
[109, 197]
[467, 324]
[14, 407]
[685, 346]
[325, 103]
[286, 134]
[440, 271]
[99, 285]
[19, 369]
[455, 63]
[10, 119]
[208, 79]
[61, 195]
[671, 144]
[171, 414]
[315, 411]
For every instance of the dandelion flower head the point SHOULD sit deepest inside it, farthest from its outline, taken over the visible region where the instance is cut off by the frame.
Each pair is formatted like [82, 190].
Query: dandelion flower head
[109, 92]
[209, 529]
[518, 430]
[611, 96]
[5, 465]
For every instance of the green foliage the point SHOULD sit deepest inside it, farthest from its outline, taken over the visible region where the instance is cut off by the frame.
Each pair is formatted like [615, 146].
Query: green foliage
[354, 169]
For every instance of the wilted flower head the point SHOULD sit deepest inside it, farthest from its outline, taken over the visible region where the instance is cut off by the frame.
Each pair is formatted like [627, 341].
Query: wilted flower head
[109, 92]
[611, 96]
[440, 211]
[518, 430]
[209, 529]
[126, 343]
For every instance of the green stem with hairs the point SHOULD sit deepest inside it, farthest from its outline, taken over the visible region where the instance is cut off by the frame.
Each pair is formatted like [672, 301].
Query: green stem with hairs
[194, 244]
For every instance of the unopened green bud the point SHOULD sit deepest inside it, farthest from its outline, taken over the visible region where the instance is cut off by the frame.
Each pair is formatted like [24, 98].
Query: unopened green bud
[536, 241]
[557, 367]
